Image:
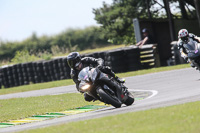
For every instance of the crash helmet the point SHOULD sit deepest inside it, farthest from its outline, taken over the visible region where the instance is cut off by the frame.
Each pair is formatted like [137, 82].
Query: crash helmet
[145, 30]
[183, 35]
[73, 59]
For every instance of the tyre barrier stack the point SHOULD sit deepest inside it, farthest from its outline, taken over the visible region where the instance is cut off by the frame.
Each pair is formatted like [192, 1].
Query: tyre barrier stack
[88, 55]
[5, 80]
[133, 59]
[101, 55]
[15, 75]
[34, 72]
[20, 77]
[115, 60]
[0, 79]
[176, 56]
[123, 60]
[66, 69]
[95, 55]
[120, 60]
[148, 56]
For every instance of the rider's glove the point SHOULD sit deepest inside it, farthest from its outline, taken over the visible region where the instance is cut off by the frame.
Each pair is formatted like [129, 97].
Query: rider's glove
[186, 58]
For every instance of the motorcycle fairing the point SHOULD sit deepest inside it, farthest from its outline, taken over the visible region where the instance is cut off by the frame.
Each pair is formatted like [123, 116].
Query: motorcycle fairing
[193, 49]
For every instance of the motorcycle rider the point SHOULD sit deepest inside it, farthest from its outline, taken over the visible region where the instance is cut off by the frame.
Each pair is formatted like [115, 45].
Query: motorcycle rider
[184, 38]
[76, 63]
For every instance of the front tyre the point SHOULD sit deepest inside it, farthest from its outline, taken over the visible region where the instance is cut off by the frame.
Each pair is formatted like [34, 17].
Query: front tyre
[108, 99]
[130, 99]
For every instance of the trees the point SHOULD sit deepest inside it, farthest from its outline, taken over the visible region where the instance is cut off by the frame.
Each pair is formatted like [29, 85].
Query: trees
[197, 5]
[70, 40]
[116, 19]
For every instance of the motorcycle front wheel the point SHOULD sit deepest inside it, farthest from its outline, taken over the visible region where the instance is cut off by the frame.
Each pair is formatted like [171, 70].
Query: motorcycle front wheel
[107, 98]
[130, 99]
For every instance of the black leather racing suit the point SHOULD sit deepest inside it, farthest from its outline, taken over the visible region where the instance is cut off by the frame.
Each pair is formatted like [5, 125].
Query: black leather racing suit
[180, 43]
[93, 62]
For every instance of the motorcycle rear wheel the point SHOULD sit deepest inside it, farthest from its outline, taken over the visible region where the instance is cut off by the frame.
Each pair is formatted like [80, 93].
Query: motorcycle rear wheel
[108, 99]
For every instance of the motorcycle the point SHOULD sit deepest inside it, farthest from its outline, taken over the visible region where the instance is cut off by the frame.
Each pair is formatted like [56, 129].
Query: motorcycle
[104, 88]
[193, 50]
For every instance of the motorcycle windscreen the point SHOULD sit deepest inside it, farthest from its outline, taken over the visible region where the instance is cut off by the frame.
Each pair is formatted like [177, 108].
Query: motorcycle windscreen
[190, 46]
[193, 49]
[84, 74]
[94, 74]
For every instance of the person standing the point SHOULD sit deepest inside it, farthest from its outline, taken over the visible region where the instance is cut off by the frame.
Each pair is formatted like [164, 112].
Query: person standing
[147, 38]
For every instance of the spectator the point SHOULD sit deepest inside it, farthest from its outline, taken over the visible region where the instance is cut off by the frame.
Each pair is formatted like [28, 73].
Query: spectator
[148, 39]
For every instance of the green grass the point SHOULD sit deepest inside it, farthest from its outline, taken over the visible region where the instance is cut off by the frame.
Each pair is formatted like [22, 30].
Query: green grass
[70, 82]
[153, 70]
[97, 49]
[100, 49]
[183, 118]
[36, 86]
[16, 108]
[174, 119]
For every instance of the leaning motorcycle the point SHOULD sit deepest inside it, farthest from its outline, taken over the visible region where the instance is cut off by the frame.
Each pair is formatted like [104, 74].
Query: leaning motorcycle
[193, 50]
[104, 88]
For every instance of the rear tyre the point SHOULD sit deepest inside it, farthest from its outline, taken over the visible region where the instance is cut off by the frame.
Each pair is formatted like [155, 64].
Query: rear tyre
[130, 99]
[109, 99]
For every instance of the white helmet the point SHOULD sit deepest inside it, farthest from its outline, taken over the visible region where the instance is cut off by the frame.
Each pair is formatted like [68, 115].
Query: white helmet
[183, 35]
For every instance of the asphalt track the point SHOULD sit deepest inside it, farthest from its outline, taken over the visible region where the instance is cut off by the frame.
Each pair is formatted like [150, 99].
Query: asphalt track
[172, 87]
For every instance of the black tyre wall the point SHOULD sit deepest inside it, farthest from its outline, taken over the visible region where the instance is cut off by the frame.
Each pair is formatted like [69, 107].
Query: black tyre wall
[120, 60]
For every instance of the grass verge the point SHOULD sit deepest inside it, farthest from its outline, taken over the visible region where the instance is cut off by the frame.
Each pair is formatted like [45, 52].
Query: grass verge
[101, 49]
[153, 70]
[97, 49]
[16, 108]
[70, 82]
[182, 118]
[36, 86]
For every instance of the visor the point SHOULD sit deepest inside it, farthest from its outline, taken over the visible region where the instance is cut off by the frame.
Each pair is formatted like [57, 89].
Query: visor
[77, 64]
[185, 39]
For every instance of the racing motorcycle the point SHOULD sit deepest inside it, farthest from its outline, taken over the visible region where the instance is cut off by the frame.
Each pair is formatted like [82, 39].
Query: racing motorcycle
[104, 88]
[193, 50]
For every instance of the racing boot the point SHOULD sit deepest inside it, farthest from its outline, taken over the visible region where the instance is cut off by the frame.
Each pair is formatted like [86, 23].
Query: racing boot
[112, 74]
[192, 65]
[119, 80]
[88, 98]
